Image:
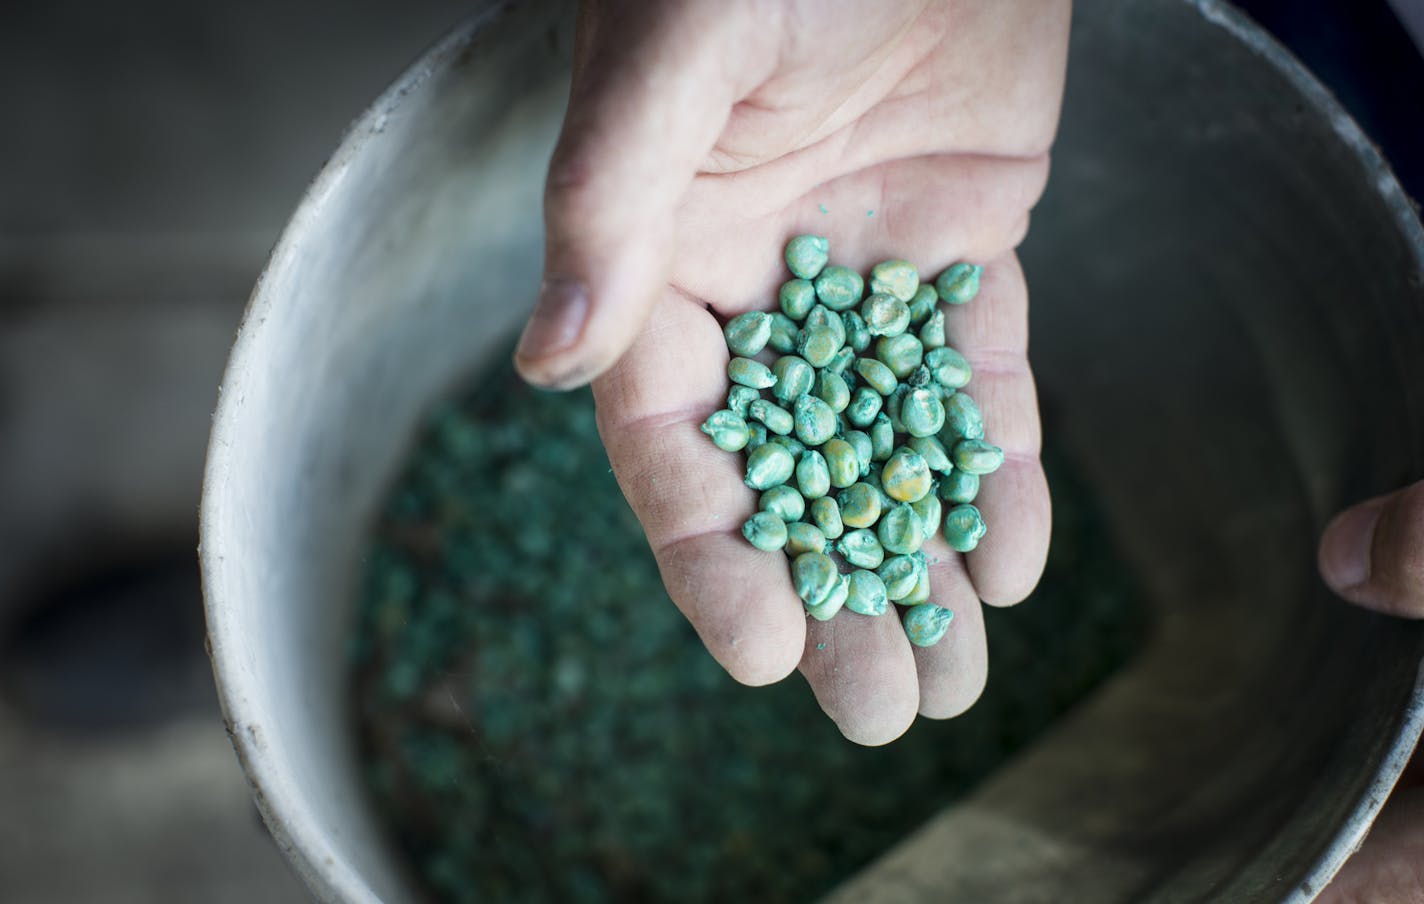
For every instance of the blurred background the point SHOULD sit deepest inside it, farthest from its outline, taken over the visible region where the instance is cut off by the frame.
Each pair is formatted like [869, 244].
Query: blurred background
[151, 153]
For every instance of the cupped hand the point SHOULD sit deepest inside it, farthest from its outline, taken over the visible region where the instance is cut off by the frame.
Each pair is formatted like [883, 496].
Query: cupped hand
[700, 136]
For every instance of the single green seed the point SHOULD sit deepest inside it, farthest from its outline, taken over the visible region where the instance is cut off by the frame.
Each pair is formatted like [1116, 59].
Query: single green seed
[826, 515]
[860, 505]
[728, 430]
[765, 531]
[790, 444]
[931, 512]
[882, 439]
[769, 466]
[900, 530]
[777, 419]
[906, 476]
[899, 574]
[818, 345]
[922, 413]
[885, 315]
[803, 538]
[962, 417]
[932, 332]
[747, 334]
[974, 456]
[824, 318]
[857, 333]
[839, 288]
[861, 548]
[933, 451]
[813, 478]
[841, 363]
[746, 372]
[892, 408]
[739, 397]
[959, 284]
[867, 593]
[832, 390]
[842, 463]
[923, 304]
[797, 297]
[793, 378]
[876, 375]
[902, 354]
[926, 624]
[865, 404]
[783, 502]
[964, 527]
[948, 367]
[895, 277]
[814, 576]
[757, 438]
[806, 255]
[959, 486]
[783, 334]
[815, 420]
[833, 603]
[860, 441]
[921, 591]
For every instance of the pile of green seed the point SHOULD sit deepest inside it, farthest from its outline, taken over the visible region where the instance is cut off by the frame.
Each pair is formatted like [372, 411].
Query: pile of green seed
[866, 403]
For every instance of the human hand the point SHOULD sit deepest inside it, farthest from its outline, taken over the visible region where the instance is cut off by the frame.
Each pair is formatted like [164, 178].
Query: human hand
[1372, 554]
[700, 136]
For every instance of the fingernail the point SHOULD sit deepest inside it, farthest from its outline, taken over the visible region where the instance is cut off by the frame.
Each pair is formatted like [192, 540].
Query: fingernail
[557, 320]
[1345, 551]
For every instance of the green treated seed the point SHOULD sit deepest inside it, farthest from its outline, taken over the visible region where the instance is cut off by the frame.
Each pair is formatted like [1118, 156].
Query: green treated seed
[860, 441]
[931, 512]
[814, 419]
[933, 451]
[861, 548]
[948, 367]
[921, 591]
[783, 334]
[885, 315]
[818, 345]
[899, 574]
[932, 332]
[783, 502]
[906, 476]
[962, 417]
[922, 413]
[803, 538]
[832, 390]
[769, 466]
[739, 397]
[974, 456]
[815, 577]
[860, 505]
[866, 594]
[857, 334]
[813, 478]
[959, 284]
[793, 378]
[826, 515]
[842, 462]
[839, 288]
[833, 603]
[777, 419]
[728, 430]
[959, 486]
[765, 531]
[823, 317]
[964, 527]
[865, 404]
[892, 407]
[900, 530]
[797, 297]
[842, 361]
[876, 375]
[757, 439]
[806, 255]
[923, 304]
[746, 372]
[895, 277]
[747, 334]
[926, 624]
[790, 444]
[903, 354]
[882, 439]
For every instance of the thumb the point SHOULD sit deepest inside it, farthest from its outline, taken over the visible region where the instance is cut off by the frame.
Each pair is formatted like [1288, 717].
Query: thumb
[1373, 554]
[650, 96]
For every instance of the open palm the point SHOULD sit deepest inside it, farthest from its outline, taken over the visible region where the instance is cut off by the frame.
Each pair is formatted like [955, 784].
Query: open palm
[700, 136]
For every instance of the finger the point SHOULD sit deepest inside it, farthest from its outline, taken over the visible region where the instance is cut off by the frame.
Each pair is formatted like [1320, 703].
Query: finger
[992, 331]
[1387, 866]
[952, 673]
[863, 674]
[690, 497]
[648, 103]
[1373, 554]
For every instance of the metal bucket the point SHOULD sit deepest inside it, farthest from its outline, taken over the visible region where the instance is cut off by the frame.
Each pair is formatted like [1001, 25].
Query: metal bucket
[1229, 324]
